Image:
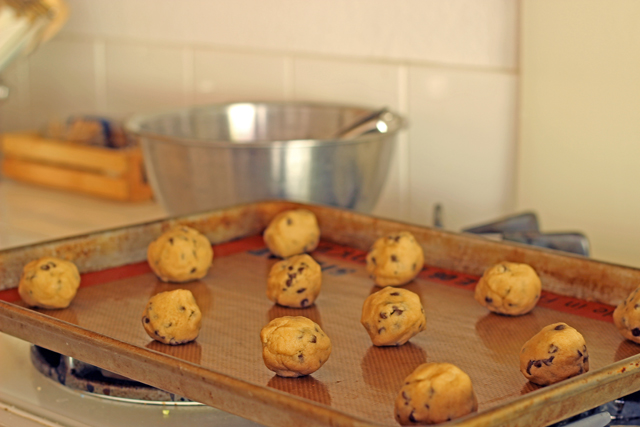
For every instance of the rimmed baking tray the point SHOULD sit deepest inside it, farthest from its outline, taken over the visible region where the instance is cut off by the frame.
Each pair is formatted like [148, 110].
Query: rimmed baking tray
[358, 384]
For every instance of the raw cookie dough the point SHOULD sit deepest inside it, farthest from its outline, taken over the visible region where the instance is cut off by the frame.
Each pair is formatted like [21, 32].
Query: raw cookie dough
[294, 281]
[49, 283]
[435, 393]
[180, 255]
[293, 346]
[555, 353]
[626, 316]
[395, 259]
[392, 316]
[509, 288]
[172, 317]
[292, 232]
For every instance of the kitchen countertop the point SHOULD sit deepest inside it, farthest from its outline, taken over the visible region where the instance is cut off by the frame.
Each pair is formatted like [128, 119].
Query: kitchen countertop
[31, 214]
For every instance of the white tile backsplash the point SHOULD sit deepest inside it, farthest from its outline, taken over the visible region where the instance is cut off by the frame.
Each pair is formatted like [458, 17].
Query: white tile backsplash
[468, 32]
[462, 151]
[14, 110]
[62, 81]
[231, 76]
[449, 66]
[153, 74]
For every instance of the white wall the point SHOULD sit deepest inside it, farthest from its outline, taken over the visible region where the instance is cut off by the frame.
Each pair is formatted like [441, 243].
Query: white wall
[579, 157]
[449, 66]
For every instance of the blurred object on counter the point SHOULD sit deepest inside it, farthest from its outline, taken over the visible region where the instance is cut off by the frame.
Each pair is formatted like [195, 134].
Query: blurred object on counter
[95, 131]
[524, 228]
[25, 24]
[87, 164]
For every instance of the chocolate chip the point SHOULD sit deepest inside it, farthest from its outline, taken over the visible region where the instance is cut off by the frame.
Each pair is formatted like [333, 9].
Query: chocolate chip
[586, 359]
[412, 418]
[193, 270]
[381, 330]
[289, 221]
[394, 258]
[288, 282]
[579, 354]
[301, 290]
[553, 348]
[396, 238]
[560, 327]
[146, 320]
[635, 332]
[300, 358]
[383, 315]
[181, 308]
[489, 300]
[316, 328]
[537, 364]
[404, 395]
[314, 339]
[45, 267]
[396, 311]
[292, 275]
[304, 302]
[548, 361]
[637, 306]
[529, 365]
[290, 267]
[300, 270]
[171, 240]
[395, 294]
[373, 260]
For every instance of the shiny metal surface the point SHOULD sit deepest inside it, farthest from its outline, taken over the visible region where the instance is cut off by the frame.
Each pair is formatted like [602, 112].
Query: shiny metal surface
[215, 156]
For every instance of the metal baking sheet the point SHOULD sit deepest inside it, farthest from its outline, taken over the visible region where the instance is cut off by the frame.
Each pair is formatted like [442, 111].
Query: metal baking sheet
[358, 384]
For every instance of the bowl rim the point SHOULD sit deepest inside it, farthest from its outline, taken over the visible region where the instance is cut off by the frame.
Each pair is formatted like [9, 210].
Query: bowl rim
[133, 125]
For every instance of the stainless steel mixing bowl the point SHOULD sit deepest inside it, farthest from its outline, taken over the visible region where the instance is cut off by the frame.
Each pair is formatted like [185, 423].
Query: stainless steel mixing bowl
[215, 156]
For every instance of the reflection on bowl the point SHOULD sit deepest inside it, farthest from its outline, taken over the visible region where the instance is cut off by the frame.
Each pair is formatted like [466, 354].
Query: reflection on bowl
[210, 157]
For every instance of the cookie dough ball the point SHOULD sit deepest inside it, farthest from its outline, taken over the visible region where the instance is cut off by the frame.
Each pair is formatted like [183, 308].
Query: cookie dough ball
[393, 316]
[49, 283]
[292, 232]
[509, 288]
[555, 353]
[435, 393]
[395, 259]
[294, 281]
[626, 316]
[293, 346]
[180, 255]
[172, 317]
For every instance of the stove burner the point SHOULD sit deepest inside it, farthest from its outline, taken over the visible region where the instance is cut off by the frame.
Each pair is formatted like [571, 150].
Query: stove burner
[81, 376]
